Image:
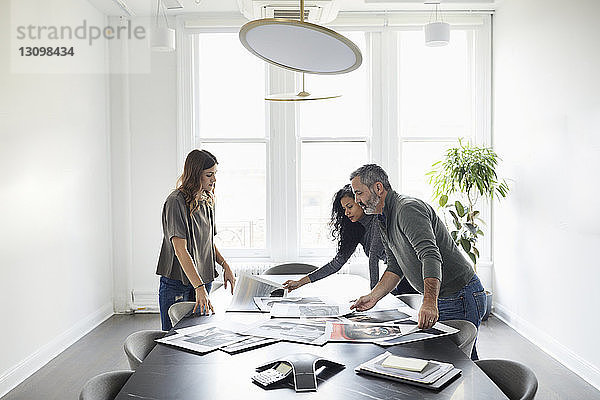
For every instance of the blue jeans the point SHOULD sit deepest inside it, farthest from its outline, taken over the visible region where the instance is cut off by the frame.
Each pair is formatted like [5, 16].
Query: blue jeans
[469, 304]
[172, 291]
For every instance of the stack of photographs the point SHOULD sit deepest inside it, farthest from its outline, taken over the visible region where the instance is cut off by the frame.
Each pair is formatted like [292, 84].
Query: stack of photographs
[371, 333]
[309, 310]
[378, 316]
[205, 338]
[301, 307]
[384, 327]
[431, 374]
[265, 304]
[301, 331]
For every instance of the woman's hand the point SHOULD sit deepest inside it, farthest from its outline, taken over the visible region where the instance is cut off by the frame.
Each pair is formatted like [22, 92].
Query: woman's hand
[202, 302]
[228, 276]
[293, 285]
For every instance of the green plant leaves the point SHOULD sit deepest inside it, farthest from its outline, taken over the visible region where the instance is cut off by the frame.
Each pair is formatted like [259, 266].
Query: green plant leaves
[472, 228]
[443, 200]
[467, 173]
[465, 245]
[459, 208]
[467, 169]
[473, 258]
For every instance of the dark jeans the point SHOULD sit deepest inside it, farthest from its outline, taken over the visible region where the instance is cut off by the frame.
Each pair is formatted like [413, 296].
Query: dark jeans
[469, 304]
[171, 291]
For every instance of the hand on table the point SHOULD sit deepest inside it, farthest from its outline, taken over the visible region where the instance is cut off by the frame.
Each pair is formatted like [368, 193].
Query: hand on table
[364, 303]
[203, 304]
[428, 315]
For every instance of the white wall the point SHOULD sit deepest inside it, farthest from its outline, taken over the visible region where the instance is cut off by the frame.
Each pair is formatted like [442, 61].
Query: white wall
[546, 129]
[144, 163]
[54, 194]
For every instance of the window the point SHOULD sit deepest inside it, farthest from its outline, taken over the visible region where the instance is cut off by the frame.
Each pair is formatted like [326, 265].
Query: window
[280, 163]
[333, 137]
[435, 104]
[231, 124]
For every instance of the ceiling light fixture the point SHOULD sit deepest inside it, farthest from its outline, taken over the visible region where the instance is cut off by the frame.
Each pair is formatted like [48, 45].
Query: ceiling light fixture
[302, 95]
[437, 32]
[163, 37]
[300, 46]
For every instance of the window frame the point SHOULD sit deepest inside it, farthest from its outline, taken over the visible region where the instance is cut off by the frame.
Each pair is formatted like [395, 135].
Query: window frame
[284, 144]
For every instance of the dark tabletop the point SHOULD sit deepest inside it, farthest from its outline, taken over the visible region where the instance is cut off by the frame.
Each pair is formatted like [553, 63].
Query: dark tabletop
[170, 373]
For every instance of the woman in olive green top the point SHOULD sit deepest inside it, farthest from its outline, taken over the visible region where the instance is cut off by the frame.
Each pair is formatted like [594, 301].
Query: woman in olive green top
[187, 256]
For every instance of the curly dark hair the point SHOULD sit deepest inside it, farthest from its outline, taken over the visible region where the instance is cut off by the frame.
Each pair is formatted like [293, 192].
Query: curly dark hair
[346, 232]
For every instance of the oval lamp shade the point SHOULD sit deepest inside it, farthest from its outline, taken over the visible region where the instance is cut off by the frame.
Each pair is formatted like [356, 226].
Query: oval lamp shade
[300, 46]
[163, 39]
[437, 34]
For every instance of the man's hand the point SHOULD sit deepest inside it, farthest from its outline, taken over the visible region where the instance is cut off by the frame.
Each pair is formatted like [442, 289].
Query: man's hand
[203, 304]
[428, 315]
[292, 285]
[364, 303]
[228, 277]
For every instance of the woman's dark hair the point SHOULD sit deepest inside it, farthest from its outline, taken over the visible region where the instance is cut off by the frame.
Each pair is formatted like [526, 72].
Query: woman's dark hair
[190, 182]
[346, 232]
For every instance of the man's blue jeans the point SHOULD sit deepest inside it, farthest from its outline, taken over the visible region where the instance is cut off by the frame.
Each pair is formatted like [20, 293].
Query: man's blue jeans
[172, 291]
[469, 304]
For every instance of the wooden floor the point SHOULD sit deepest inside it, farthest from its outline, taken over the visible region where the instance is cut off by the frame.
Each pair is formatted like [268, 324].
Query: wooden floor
[102, 350]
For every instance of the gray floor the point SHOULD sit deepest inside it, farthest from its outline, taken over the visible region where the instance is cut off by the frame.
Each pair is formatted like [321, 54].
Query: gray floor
[102, 350]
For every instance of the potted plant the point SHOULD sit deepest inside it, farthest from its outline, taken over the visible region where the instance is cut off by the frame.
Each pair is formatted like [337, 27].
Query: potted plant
[465, 175]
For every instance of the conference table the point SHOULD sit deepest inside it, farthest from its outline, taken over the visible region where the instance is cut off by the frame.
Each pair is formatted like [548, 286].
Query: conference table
[171, 373]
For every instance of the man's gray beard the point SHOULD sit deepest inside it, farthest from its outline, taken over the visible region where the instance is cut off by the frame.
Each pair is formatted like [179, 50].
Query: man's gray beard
[371, 205]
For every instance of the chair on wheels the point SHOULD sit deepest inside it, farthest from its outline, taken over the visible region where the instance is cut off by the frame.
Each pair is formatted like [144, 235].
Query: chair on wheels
[291, 269]
[414, 301]
[466, 335]
[105, 386]
[516, 380]
[139, 344]
[180, 310]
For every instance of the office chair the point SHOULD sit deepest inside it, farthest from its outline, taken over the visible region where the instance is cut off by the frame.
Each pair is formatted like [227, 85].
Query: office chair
[180, 310]
[139, 344]
[516, 381]
[466, 335]
[291, 269]
[414, 301]
[105, 386]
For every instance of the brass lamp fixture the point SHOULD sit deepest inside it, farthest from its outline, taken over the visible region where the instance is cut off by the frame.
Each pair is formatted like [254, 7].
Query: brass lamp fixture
[302, 95]
[302, 47]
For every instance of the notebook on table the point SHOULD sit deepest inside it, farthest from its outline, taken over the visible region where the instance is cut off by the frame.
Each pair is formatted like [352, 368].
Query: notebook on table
[434, 375]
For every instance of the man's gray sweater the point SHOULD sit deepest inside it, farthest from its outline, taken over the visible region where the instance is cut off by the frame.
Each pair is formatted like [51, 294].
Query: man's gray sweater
[419, 246]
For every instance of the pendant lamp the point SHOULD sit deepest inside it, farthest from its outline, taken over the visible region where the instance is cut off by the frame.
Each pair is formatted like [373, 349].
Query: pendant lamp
[437, 32]
[163, 37]
[300, 46]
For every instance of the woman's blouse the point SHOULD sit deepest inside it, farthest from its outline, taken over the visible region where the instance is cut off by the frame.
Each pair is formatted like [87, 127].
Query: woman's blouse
[199, 231]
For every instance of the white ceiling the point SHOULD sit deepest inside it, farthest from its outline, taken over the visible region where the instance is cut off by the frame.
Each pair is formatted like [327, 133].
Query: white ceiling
[148, 7]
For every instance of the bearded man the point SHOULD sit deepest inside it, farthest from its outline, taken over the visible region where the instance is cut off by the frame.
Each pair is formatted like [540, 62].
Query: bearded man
[419, 247]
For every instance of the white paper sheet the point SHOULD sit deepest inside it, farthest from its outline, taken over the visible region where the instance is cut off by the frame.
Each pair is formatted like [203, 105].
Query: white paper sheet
[249, 286]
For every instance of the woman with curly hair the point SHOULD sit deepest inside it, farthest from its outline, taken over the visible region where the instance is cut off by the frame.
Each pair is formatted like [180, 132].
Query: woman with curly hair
[351, 226]
[186, 263]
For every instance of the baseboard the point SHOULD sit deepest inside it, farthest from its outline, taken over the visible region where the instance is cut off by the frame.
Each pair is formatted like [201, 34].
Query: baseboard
[17, 374]
[549, 345]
